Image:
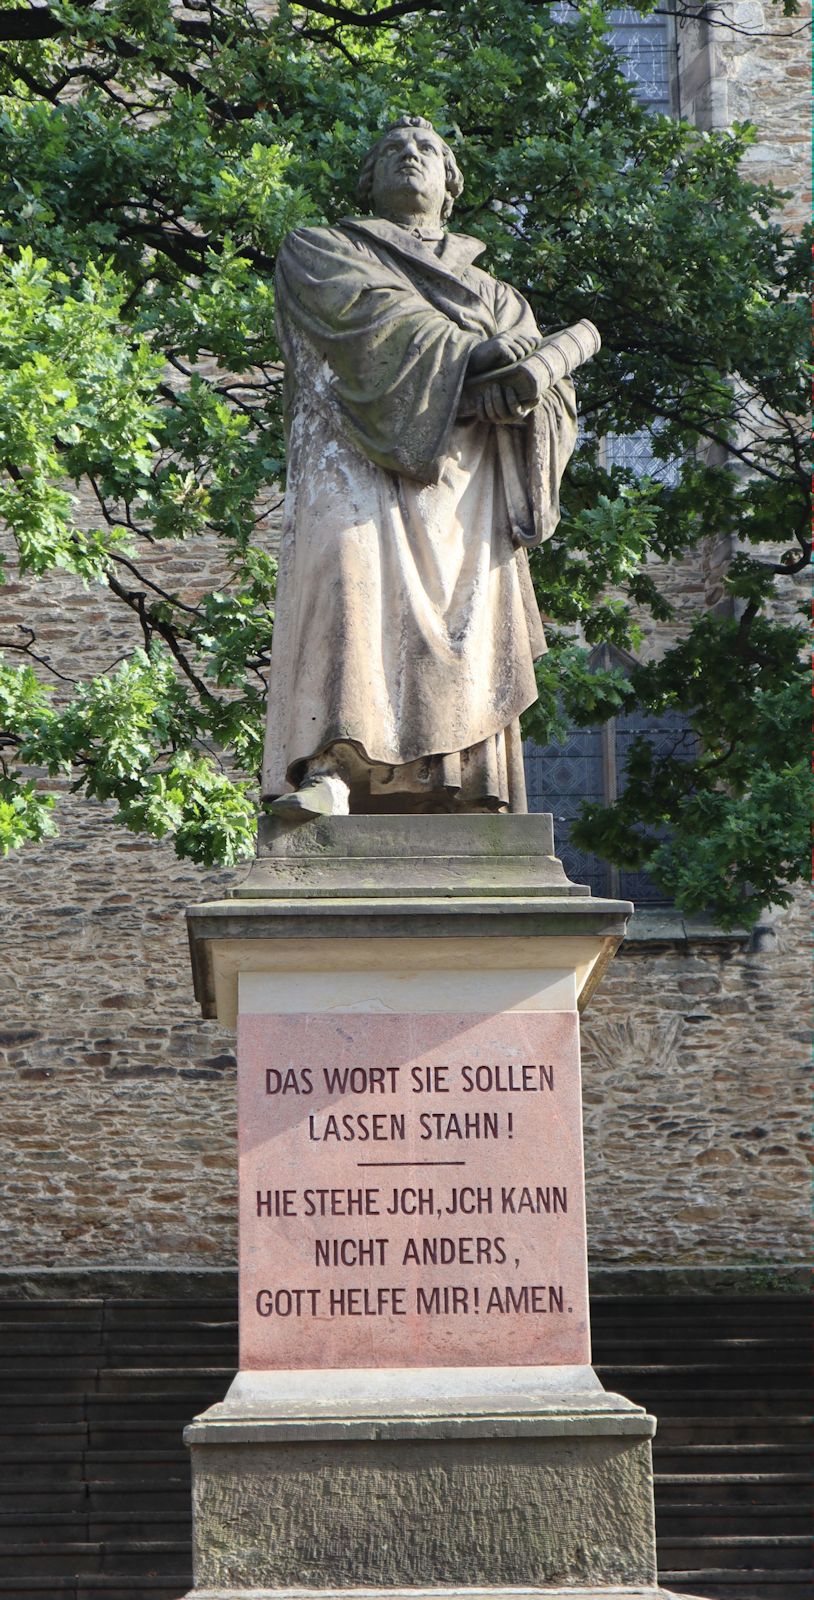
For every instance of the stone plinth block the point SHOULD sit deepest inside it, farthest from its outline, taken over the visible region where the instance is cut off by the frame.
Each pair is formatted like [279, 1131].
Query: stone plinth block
[518, 1477]
[591, 1592]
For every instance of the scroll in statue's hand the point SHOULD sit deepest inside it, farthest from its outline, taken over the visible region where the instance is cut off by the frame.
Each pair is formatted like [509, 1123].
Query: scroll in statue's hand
[511, 392]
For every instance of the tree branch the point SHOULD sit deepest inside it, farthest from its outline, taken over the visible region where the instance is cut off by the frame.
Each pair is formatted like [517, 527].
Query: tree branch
[26, 650]
[29, 23]
[151, 623]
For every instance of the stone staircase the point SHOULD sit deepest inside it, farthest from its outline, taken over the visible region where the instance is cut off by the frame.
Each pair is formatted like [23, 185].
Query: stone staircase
[94, 1479]
[731, 1383]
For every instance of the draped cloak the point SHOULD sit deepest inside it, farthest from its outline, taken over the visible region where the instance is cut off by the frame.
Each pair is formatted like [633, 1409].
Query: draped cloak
[406, 626]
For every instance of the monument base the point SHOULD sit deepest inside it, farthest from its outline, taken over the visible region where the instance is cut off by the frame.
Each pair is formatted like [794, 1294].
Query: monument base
[431, 967]
[627, 1592]
[435, 1594]
[422, 1480]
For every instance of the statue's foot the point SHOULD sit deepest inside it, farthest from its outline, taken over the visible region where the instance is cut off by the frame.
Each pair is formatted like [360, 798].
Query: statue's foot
[324, 795]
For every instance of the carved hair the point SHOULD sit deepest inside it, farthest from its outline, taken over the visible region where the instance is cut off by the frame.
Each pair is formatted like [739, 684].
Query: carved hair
[452, 172]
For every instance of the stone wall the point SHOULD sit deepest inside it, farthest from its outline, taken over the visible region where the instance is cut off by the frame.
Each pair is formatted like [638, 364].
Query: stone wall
[697, 1093]
[118, 1100]
[746, 62]
[111, 1085]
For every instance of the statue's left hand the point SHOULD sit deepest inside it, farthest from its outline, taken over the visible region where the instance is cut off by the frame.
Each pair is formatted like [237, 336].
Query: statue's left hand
[500, 402]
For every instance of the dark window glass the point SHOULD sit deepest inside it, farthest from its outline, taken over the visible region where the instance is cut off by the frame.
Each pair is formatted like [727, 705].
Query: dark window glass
[591, 764]
[558, 779]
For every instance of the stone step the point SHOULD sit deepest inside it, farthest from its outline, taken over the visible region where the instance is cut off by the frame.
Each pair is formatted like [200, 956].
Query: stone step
[131, 1379]
[135, 1311]
[112, 1497]
[21, 1339]
[696, 1458]
[85, 1525]
[75, 1371]
[92, 1483]
[734, 1403]
[46, 1439]
[716, 1376]
[745, 1430]
[91, 1585]
[688, 1310]
[16, 1497]
[102, 1498]
[676, 1518]
[731, 1352]
[79, 1313]
[119, 1557]
[22, 1409]
[26, 1433]
[727, 1583]
[168, 1380]
[117, 1313]
[744, 1552]
[68, 1469]
[735, 1487]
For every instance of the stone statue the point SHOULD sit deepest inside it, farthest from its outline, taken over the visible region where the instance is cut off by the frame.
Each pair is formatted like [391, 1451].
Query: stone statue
[429, 425]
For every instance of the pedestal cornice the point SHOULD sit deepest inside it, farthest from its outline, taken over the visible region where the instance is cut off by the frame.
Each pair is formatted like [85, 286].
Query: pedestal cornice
[396, 879]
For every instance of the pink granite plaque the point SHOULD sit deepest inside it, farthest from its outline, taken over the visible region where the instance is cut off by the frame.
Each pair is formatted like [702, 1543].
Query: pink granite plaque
[411, 1191]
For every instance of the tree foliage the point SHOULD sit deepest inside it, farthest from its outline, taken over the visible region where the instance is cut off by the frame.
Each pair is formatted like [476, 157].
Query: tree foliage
[151, 160]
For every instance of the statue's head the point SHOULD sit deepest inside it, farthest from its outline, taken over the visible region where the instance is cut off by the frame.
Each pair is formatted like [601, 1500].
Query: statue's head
[410, 172]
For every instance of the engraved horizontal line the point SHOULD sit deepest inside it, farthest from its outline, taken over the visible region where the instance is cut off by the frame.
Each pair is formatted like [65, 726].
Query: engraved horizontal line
[411, 1163]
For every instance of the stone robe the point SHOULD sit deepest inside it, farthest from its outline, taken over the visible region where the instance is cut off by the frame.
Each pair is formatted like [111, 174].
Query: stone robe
[406, 626]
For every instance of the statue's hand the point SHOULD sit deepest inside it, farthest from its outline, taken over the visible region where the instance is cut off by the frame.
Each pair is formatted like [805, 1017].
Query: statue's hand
[492, 354]
[499, 402]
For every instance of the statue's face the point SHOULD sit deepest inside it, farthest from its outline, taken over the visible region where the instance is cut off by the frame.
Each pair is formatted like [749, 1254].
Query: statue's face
[409, 178]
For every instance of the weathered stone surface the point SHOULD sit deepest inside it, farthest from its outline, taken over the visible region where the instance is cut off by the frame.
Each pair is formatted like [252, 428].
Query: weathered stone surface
[406, 627]
[698, 1056]
[356, 856]
[462, 1512]
[433, 879]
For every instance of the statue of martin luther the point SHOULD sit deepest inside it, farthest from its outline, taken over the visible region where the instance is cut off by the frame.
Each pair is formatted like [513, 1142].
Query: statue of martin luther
[406, 628]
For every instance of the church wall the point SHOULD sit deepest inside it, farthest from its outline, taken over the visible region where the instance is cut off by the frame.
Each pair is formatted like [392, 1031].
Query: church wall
[749, 63]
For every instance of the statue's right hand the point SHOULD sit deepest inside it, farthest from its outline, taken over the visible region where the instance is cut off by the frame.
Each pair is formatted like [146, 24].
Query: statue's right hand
[492, 354]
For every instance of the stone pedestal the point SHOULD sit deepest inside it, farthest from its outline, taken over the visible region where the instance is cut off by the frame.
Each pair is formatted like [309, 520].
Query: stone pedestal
[415, 1407]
